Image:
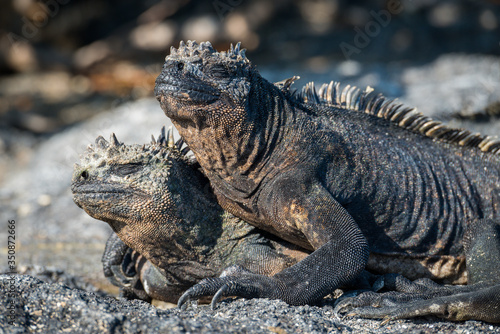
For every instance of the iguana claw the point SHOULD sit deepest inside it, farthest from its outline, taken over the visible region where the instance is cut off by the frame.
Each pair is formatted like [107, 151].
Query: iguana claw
[218, 296]
[192, 294]
[209, 286]
[248, 285]
[121, 277]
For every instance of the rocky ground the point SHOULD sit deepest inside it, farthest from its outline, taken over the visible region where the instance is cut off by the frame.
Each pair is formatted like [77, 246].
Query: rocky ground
[60, 286]
[40, 307]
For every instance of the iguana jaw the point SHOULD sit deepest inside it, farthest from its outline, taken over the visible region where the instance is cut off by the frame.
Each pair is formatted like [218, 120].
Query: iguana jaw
[94, 197]
[186, 91]
[104, 190]
[182, 100]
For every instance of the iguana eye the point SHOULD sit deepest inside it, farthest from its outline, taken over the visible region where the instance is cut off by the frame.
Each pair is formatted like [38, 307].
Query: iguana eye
[126, 169]
[180, 66]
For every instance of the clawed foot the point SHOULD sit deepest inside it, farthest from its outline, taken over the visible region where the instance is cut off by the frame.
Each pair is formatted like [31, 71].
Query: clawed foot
[119, 265]
[422, 298]
[123, 278]
[234, 281]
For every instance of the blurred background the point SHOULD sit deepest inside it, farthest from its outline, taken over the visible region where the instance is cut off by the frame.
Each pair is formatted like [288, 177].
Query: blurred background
[72, 69]
[60, 56]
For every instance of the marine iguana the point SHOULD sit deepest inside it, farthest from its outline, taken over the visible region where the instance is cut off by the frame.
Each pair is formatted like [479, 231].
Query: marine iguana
[172, 233]
[342, 173]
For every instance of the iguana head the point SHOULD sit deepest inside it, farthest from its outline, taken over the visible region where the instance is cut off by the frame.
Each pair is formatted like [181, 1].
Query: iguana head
[225, 111]
[147, 195]
[199, 84]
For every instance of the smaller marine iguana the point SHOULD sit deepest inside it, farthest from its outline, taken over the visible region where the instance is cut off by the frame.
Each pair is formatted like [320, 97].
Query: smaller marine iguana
[343, 173]
[172, 233]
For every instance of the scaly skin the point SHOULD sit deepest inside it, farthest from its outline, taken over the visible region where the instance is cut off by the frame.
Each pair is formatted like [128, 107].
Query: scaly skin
[161, 206]
[343, 174]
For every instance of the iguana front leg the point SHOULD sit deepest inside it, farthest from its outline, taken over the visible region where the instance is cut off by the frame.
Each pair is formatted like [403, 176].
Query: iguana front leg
[136, 276]
[341, 250]
[121, 266]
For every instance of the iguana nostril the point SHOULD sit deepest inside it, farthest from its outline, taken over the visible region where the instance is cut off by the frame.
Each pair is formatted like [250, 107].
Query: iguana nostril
[84, 175]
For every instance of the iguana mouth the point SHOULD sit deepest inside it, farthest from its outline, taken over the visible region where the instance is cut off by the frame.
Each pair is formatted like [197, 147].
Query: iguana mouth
[188, 91]
[91, 192]
[98, 195]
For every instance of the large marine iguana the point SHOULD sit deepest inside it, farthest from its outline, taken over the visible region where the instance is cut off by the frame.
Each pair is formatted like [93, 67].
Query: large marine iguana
[340, 172]
[170, 231]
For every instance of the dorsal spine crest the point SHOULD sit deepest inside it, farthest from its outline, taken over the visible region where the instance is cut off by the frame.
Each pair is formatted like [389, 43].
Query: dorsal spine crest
[355, 99]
